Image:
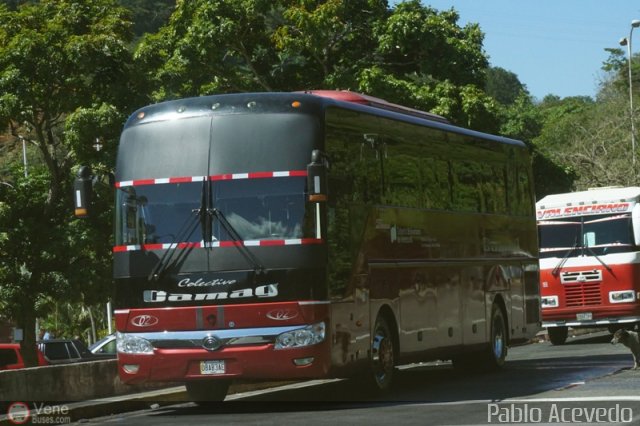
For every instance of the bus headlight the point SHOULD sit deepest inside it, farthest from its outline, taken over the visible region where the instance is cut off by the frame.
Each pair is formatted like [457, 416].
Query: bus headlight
[306, 336]
[626, 296]
[549, 301]
[132, 344]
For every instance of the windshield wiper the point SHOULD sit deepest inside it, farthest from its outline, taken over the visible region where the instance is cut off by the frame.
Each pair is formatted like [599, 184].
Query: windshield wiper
[599, 260]
[250, 257]
[560, 264]
[184, 234]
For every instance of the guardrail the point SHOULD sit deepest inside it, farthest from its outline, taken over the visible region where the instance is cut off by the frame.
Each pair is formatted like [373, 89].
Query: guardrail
[64, 383]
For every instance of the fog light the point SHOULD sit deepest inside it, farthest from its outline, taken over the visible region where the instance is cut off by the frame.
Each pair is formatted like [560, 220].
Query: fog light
[303, 361]
[131, 368]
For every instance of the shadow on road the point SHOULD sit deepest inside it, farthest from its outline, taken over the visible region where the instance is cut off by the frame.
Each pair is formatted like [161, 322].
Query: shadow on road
[428, 383]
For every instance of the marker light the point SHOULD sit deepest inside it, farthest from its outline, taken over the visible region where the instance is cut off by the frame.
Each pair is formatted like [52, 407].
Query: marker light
[296, 104]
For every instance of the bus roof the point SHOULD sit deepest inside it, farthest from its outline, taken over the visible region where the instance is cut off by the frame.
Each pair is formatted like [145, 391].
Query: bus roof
[320, 99]
[359, 98]
[591, 196]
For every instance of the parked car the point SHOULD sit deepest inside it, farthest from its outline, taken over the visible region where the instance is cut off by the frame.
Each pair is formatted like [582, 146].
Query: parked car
[105, 347]
[64, 351]
[11, 357]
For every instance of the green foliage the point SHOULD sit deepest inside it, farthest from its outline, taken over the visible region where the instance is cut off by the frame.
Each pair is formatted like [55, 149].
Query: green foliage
[412, 54]
[148, 15]
[64, 68]
[504, 86]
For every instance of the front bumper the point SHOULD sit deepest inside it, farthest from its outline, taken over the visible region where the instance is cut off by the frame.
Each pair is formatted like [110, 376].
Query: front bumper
[247, 353]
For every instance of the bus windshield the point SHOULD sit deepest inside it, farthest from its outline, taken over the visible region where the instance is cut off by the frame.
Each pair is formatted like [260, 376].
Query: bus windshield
[257, 209]
[602, 234]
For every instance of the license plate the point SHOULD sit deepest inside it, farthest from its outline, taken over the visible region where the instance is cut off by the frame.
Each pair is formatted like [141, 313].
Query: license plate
[212, 367]
[584, 316]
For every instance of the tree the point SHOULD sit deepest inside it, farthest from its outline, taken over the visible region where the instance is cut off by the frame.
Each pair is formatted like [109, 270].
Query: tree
[504, 86]
[411, 54]
[60, 60]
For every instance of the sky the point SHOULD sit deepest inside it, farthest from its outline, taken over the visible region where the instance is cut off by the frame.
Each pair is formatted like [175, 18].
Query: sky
[553, 46]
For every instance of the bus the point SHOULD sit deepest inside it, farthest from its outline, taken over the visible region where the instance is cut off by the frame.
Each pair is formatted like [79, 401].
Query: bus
[314, 235]
[589, 260]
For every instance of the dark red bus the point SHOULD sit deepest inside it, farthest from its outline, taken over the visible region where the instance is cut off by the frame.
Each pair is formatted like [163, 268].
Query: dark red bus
[312, 235]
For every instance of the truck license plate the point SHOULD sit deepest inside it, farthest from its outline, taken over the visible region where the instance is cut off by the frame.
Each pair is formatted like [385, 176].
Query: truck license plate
[212, 367]
[584, 316]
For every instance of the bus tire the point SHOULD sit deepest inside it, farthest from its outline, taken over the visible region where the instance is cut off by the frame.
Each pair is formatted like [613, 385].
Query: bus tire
[493, 357]
[383, 356]
[498, 345]
[558, 335]
[203, 392]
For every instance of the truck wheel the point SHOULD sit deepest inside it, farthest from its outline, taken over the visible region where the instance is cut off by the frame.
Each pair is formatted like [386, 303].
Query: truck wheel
[383, 356]
[205, 391]
[558, 335]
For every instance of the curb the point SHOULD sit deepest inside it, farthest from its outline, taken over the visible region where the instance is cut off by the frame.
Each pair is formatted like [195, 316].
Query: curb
[79, 411]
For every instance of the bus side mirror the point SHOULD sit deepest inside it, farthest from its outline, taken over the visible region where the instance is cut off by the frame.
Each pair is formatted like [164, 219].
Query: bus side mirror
[83, 191]
[317, 177]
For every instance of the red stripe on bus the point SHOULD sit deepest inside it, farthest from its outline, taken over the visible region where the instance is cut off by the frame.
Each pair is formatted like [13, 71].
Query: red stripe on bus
[224, 176]
[144, 182]
[227, 243]
[182, 179]
[272, 243]
[227, 176]
[259, 175]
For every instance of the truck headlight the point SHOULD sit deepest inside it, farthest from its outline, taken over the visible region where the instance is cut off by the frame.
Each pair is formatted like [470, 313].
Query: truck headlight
[549, 301]
[305, 336]
[625, 296]
[132, 344]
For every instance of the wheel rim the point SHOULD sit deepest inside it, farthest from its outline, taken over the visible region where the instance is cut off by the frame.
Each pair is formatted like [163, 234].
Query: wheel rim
[382, 354]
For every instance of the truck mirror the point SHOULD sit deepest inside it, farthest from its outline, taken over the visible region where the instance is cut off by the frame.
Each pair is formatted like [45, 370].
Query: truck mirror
[83, 191]
[317, 177]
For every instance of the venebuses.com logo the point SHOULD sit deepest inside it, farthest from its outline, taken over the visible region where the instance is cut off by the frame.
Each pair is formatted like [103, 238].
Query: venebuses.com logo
[20, 413]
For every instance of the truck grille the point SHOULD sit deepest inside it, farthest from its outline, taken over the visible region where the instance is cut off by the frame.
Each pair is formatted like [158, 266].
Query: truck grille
[582, 288]
[582, 294]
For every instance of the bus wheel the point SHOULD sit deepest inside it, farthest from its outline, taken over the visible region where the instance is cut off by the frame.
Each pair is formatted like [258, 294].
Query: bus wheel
[382, 355]
[494, 355]
[497, 352]
[206, 391]
[558, 335]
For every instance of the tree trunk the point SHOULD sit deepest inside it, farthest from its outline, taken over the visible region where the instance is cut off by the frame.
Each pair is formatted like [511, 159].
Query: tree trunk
[28, 344]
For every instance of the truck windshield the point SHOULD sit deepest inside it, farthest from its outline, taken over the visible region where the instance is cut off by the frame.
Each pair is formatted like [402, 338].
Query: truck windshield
[603, 234]
[258, 209]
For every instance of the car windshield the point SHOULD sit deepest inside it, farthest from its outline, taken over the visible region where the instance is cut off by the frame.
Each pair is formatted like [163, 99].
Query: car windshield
[601, 234]
[257, 209]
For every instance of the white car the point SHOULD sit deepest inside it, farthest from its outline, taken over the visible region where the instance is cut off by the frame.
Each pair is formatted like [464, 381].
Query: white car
[105, 346]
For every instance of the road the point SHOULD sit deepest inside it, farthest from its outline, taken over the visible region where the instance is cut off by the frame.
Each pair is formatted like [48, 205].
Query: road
[585, 381]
